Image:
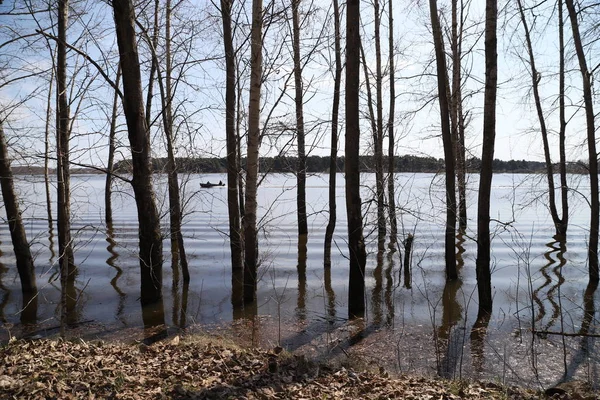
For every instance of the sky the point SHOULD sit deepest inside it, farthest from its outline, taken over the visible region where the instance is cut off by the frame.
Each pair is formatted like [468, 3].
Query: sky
[200, 96]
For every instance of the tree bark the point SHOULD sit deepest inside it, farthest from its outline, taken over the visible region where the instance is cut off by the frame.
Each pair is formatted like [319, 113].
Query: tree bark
[47, 154]
[391, 138]
[334, 136]
[175, 211]
[108, 214]
[450, 229]
[233, 206]
[564, 188]
[483, 271]
[356, 245]
[586, 77]
[378, 137]
[250, 220]
[21, 248]
[457, 118]
[149, 223]
[299, 100]
[559, 226]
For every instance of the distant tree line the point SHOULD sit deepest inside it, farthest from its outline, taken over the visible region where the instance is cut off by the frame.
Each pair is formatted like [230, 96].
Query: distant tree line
[317, 164]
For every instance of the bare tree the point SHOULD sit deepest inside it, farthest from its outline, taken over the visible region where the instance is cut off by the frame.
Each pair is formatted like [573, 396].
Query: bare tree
[334, 135]
[249, 219]
[108, 214]
[65, 244]
[457, 117]
[21, 248]
[442, 73]
[586, 77]
[483, 268]
[560, 222]
[300, 134]
[233, 206]
[356, 245]
[175, 211]
[391, 137]
[378, 135]
[149, 222]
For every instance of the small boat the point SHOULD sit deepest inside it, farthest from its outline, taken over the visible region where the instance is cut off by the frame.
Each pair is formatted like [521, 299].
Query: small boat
[211, 185]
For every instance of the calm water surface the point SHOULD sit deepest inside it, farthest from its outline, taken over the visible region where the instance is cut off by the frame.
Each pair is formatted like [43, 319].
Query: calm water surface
[537, 282]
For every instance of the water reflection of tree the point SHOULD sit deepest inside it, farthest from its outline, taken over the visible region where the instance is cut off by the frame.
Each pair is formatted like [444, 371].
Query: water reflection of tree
[389, 287]
[111, 261]
[586, 332]
[478, 334]
[451, 340]
[377, 291]
[301, 269]
[5, 292]
[559, 248]
[331, 309]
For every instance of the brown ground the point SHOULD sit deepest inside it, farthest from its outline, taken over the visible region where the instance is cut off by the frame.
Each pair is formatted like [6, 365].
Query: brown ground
[204, 367]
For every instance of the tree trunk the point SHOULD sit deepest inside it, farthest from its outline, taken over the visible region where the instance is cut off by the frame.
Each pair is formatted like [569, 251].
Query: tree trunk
[149, 223]
[483, 271]
[391, 139]
[62, 144]
[233, 206]
[586, 77]
[564, 188]
[334, 136]
[21, 248]
[47, 155]
[559, 226]
[65, 244]
[450, 230]
[457, 118]
[153, 65]
[175, 212]
[378, 137]
[108, 214]
[356, 245]
[249, 221]
[299, 100]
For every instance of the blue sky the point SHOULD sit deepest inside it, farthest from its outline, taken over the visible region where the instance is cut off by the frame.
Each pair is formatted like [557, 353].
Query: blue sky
[200, 98]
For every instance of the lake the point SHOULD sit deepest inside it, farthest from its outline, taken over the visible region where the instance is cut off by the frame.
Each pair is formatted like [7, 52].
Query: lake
[537, 282]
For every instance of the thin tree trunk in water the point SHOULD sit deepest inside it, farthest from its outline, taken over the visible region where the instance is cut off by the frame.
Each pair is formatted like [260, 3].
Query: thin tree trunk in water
[356, 245]
[457, 118]
[299, 100]
[148, 218]
[450, 233]
[108, 215]
[334, 137]
[238, 143]
[564, 188]
[175, 212]
[391, 139]
[47, 152]
[21, 248]
[65, 245]
[233, 207]
[559, 226]
[586, 77]
[483, 270]
[378, 137]
[249, 221]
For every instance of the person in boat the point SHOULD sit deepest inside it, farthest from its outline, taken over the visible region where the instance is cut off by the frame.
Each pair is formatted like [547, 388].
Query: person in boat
[220, 183]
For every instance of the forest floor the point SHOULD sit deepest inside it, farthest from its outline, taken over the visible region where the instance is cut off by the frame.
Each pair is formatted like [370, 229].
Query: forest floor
[211, 367]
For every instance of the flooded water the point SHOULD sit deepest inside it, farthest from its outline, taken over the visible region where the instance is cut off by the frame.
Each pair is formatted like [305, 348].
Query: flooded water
[539, 284]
